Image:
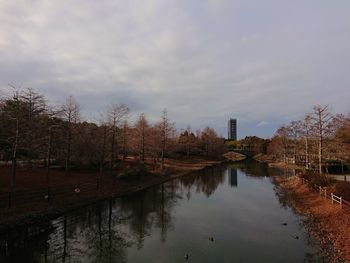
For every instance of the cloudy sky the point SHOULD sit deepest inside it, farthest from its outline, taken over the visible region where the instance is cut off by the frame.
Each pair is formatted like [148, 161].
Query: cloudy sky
[262, 62]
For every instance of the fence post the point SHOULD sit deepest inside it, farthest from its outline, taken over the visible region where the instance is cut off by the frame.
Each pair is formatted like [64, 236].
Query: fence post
[325, 193]
[341, 201]
[332, 197]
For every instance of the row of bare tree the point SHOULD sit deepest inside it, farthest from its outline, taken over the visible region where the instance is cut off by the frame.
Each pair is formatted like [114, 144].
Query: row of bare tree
[32, 131]
[320, 139]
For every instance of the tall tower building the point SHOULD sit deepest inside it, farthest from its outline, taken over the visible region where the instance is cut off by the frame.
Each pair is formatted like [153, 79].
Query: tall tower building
[232, 129]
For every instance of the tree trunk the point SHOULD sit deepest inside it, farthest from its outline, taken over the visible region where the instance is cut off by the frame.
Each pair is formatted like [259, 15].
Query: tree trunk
[306, 153]
[142, 147]
[48, 155]
[320, 142]
[103, 151]
[112, 150]
[14, 157]
[69, 140]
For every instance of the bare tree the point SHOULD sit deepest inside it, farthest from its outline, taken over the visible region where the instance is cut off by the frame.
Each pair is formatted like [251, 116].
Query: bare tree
[125, 138]
[282, 134]
[3, 138]
[70, 112]
[51, 125]
[321, 116]
[210, 141]
[293, 131]
[166, 128]
[339, 146]
[14, 115]
[323, 136]
[187, 139]
[103, 149]
[115, 114]
[141, 128]
[306, 128]
[14, 156]
[34, 105]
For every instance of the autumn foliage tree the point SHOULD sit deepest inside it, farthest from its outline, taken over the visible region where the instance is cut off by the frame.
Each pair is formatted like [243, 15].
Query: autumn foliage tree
[188, 142]
[314, 141]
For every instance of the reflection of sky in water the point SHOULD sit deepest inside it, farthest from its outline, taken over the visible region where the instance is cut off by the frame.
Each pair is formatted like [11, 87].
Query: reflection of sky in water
[162, 224]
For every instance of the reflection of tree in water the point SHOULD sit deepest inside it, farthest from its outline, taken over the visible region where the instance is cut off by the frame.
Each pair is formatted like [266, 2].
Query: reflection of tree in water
[283, 197]
[99, 233]
[167, 200]
[95, 233]
[92, 236]
[152, 208]
[149, 209]
[16, 245]
[206, 181]
[108, 242]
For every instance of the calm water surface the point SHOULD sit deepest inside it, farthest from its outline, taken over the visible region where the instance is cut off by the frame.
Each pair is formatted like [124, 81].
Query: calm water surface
[237, 205]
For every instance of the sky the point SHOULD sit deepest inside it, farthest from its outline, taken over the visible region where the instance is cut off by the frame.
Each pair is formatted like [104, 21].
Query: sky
[263, 62]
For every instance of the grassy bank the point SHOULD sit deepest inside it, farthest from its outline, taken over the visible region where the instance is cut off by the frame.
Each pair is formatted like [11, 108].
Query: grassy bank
[327, 222]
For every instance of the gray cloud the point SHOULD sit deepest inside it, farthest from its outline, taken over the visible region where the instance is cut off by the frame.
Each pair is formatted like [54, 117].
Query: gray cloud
[204, 61]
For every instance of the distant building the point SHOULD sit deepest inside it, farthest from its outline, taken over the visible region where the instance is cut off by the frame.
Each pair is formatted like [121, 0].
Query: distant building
[232, 129]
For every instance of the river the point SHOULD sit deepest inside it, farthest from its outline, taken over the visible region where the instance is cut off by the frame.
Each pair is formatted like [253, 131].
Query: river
[228, 213]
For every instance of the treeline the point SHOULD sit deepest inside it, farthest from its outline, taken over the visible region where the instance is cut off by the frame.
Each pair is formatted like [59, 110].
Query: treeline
[33, 131]
[317, 141]
[254, 144]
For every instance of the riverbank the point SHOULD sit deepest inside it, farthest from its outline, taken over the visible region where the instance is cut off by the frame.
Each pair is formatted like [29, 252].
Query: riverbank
[327, 222]
[338, 187]
[38, 199]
